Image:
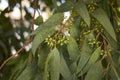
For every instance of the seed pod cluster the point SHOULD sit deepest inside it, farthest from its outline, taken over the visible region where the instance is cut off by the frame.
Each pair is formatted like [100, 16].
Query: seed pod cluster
[92, 6]
[60, 39]
[96, 26]
[94, 43]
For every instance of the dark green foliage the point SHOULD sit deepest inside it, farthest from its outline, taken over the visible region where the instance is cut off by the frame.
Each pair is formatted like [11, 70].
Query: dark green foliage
[84, 47]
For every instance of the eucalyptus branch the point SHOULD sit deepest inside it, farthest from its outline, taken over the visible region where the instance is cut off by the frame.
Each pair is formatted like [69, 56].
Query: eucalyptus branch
[35, 8]
[11, 57]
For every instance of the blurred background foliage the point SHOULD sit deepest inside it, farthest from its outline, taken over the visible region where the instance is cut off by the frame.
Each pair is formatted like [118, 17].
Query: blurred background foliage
[16, 26]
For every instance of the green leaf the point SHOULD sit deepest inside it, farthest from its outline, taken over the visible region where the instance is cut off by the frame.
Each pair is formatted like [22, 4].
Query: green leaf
[95, 72]
[46, 29]
[73, 49]
[64, 69]
[92, 60]
[18, 67]
[39, 20]
[54, 3]
[102, 17]
[86, 51]
[112, 42]
[53, 21]
[82, 62]
[53, 67]
[54, 64]
[74, 31]
[28, 73]
[81, 8]
[43, 53]
[67, 6]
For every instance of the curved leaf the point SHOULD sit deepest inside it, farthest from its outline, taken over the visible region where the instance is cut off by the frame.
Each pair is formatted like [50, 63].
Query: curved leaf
[67, 6]
[102, 17]
[92, 60]
[95, 72]
[73, 49]
[53, 65]
[81, 8]
[39, 20]
[64, 69]
[47, 28]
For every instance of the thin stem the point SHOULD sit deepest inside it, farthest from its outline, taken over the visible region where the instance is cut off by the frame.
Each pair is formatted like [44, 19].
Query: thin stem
[8, 59]
[35, 8]
[112, 65]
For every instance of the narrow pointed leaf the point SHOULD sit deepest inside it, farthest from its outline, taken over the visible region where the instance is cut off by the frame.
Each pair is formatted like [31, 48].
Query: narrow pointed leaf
[47, 28]
[64, 69]
[54, 3]
[73, 49]
[91, 61]
[102, 17]
[53, 21]
[28, 73]
[43, 53]
[95, 72]
[39, 20]
[67, 6]
[81, 8]
[54, 64]
[86, 51]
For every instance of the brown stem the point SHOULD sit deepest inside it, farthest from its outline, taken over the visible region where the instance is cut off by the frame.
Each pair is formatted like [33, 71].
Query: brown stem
[8, 59]
[35, 7]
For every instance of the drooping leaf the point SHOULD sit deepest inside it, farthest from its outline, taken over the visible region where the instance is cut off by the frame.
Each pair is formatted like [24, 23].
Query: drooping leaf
[54, 3]
[43, 53]
[81, 8]
[73, 49]
[86, 51]
[67, 6]
[74, 31]
[53, 21]
[45, 30]
[102, 17]
[82, 62]
[64, 69]
[19, 66]
[95, 72]
[28, 73]
[53, 65]
[92, 60]
[38, 20]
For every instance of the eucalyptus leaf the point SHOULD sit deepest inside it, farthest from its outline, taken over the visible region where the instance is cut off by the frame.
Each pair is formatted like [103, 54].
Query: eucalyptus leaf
[91, 61]
[53, 21]
[95, 72]
[64, 69]
[81, 8]
[38, 20]
[102, 17]
[86, 52]
[28, 73]
[54, 64]
[46, 29]
[54, 3]
[42, 56]
[67, 6]
[73, 49]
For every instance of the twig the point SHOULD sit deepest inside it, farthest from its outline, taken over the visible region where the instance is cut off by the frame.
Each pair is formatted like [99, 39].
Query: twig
[8, 59]
[26, 43]
[112, 65]
[35, 7]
